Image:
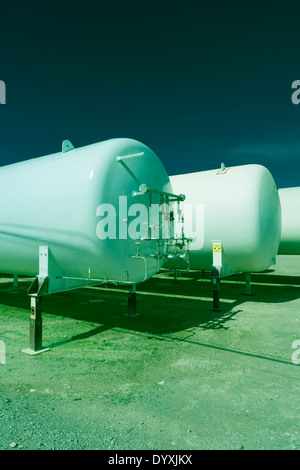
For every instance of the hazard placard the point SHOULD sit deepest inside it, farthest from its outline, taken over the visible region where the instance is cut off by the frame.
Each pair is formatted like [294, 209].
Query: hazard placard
[216, 247]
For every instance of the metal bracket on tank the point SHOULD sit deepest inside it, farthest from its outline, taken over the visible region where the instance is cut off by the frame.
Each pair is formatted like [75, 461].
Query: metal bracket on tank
[39, 287]
[67, 146]
[132, 155]
[222, 170]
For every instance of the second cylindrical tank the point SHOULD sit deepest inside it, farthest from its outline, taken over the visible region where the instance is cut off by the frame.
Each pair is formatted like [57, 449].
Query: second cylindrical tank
[290, 230]
[238, 207]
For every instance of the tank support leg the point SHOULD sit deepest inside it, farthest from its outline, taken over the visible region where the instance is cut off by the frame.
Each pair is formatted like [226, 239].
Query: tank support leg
[248, 284]
[36, 324]
[35, 327]
[16, 280]
[132, 301]
[37, 289]
[175, 276]
[216, 294]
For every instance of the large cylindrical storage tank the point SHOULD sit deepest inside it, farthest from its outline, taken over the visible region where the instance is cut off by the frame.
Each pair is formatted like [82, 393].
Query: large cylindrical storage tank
[60, 200]
[290, 230]
[239, 207]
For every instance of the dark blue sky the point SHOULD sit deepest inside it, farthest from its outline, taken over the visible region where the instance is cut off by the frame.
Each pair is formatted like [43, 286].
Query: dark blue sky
[200, 83]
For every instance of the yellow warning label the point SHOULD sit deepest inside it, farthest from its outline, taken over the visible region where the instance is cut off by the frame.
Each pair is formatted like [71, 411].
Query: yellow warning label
[216, 247]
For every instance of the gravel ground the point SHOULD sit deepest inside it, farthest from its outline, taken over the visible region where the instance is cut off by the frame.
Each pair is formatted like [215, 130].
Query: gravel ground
[178, 376]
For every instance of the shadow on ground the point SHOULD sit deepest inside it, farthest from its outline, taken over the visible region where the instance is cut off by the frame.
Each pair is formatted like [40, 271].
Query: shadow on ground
[167, 310]
[163, 305]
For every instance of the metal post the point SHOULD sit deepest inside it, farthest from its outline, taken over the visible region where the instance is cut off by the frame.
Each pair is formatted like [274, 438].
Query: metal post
[248, 284]
[175, 276]
[35, 327]
[132, 301]
[36, 324]
[16, 280]
[216, 294]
